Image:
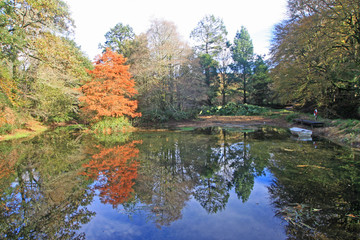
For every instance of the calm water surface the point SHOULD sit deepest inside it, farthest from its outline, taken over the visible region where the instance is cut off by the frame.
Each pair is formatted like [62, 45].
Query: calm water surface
[213, 183]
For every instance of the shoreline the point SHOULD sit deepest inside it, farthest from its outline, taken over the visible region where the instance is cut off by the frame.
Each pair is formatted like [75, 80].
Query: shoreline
[33, 128]
[331, 133]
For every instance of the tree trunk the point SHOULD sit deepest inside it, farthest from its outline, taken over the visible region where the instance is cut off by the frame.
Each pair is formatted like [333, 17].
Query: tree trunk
[223, 97]
[244, 79]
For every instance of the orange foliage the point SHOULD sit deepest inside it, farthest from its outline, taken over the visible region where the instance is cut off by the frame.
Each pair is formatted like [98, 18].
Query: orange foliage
[9, 88]
[110, 91]
[115, 170]
[7, 163]
[7, 116]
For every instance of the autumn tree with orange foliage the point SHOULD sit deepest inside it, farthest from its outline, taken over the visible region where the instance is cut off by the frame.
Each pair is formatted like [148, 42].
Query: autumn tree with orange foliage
[110, 92]
[115, 170]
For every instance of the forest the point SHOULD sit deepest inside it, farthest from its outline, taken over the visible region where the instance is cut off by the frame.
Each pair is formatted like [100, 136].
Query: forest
[156, 76]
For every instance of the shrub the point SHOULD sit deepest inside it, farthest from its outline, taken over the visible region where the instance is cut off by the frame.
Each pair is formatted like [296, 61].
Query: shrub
[111, 125]
[6, 128]
[160, 116]
[51, 104]
[233, 109]
[10, 119]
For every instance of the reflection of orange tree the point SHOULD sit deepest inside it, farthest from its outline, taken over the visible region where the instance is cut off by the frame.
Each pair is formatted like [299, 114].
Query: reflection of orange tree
[7, 162]
[5, 169]
[115, 170]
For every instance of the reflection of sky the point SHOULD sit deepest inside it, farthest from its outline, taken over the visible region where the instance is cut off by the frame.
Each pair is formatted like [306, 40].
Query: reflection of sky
[251, 220]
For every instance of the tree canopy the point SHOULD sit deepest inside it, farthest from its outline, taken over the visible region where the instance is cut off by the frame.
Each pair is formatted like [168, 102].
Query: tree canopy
[315, 54]
[39, 63]
[120, 39]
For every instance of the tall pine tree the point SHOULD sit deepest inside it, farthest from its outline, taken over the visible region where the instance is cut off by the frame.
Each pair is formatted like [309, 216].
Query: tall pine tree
[243, 55]
[210, 36]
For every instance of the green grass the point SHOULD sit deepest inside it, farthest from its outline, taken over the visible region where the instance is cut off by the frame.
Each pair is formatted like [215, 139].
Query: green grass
[17, 136]
[187, 128]
[21, 134]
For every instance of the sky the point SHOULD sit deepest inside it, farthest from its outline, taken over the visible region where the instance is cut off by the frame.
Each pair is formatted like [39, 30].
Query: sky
[93, 18]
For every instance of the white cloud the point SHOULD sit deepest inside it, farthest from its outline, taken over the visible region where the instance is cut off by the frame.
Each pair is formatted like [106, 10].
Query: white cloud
[93, 18]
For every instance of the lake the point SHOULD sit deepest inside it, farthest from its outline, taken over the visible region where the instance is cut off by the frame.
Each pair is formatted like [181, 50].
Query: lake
[202, 183]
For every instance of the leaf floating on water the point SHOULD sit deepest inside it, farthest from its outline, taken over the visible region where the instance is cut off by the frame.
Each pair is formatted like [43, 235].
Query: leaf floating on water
[288, 150]
[313, 166]
[301, 166]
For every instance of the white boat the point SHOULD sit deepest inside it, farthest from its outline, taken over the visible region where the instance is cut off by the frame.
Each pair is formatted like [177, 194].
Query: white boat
[301, 132]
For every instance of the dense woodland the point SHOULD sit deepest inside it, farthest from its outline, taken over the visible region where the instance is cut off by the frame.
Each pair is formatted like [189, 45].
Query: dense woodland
[314, 62]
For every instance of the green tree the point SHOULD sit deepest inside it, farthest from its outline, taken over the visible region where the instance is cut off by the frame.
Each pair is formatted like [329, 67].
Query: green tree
[315, 56]
[24, 20]
[56, 69]
[260, 92]
[210, 37]
[40, 65]
[243, 54]
[120, 39]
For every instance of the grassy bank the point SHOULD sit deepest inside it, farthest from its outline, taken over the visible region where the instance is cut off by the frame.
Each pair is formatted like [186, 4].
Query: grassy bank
[341, 131]
[30, 129]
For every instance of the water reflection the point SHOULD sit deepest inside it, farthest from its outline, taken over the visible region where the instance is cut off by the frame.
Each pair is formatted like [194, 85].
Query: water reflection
[206, 165]
[42, 195]
[58, 185]
[317, 194]
[114, 170]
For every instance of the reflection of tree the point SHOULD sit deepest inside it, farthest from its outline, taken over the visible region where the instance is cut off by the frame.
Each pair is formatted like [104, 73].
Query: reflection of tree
[211, 189]
[165, 179]
[212, 193]
[6, 168]
[249, 164]
[207, 164]
[317, 192]
[238, 164]
[115, 170]
[169, 193]
[48, 199]
[8, 158]
[244, 182]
